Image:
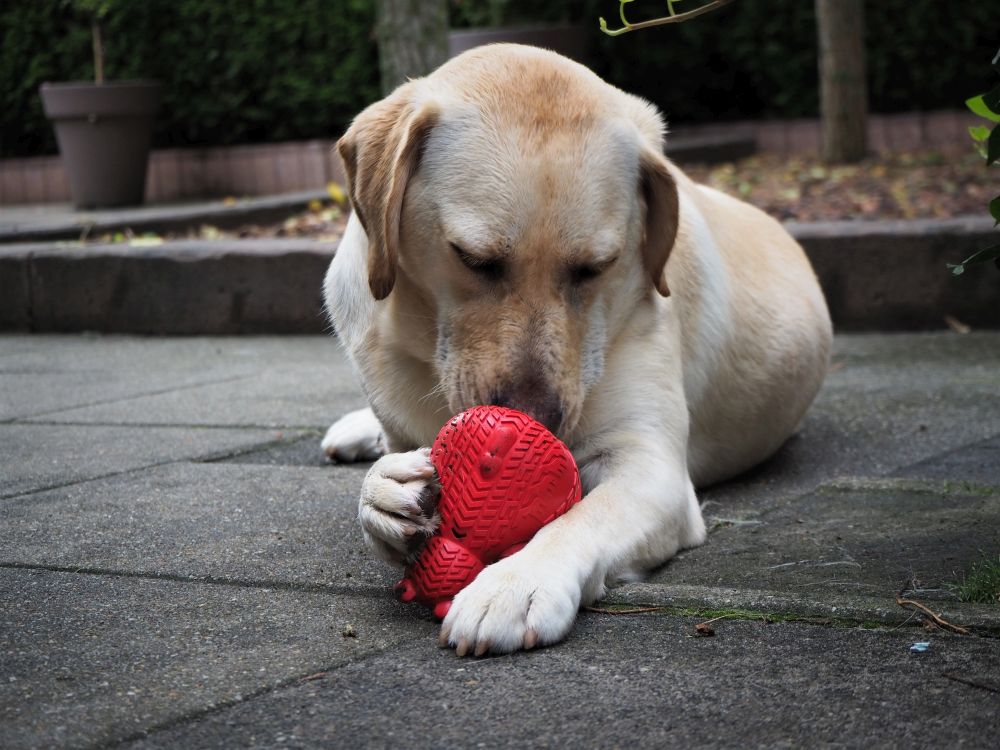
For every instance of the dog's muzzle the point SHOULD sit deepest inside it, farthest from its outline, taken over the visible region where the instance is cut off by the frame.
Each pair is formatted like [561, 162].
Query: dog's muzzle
[534, 397]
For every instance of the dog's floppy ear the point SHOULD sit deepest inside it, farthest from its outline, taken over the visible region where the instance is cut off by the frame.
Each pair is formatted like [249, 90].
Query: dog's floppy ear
[659, 192]
[381, 151]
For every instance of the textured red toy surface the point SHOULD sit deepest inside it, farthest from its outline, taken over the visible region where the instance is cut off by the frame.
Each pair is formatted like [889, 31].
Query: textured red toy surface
[503, 476]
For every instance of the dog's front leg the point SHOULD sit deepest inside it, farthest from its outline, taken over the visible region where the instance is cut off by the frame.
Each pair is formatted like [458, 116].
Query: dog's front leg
[640, 514]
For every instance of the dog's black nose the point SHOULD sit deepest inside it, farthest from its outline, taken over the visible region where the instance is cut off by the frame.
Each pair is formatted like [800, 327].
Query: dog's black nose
[535, 399]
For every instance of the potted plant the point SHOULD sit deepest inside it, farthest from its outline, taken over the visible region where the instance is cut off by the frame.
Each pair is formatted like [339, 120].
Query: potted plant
[540, 25]
[103, 129]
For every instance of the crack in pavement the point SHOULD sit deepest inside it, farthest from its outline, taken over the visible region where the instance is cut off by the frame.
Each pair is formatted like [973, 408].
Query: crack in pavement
[102, 402]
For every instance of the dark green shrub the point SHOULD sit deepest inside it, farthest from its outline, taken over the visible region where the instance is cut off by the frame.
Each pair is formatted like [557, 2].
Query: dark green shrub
[758, 58]
[234, 71]
[239, 71]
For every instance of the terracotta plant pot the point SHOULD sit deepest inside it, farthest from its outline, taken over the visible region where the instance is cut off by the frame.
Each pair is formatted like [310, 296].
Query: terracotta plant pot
[104, 133]
[566, 40]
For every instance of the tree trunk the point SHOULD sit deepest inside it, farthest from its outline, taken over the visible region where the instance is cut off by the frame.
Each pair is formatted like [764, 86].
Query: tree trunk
[412, 38]
[843, 88]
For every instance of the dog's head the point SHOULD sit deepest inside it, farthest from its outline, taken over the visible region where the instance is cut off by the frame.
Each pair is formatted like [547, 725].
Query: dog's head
[526, 206]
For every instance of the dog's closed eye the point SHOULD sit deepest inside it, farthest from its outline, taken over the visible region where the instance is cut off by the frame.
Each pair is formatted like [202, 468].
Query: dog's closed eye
[489, 269]
[584, 272]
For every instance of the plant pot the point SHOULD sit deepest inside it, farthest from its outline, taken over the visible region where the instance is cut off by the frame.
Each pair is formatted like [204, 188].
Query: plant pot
[566, 40]
[104, 133]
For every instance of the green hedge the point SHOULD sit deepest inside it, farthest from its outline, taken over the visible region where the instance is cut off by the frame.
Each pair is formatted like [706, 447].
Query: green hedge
[239, 71]
[235, 71]
[758, 58]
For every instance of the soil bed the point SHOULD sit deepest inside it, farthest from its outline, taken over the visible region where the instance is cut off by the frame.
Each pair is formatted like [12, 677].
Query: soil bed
[801, 188]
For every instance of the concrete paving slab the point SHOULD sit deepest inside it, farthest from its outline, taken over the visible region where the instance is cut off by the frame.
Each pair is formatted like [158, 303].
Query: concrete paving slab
[277, 395]
[979, 462]
[46, 374]
[37, 456]
[268, 522]
[89, 660]
[636, 681]
[302, 452]
[290, 525]
[847, 545]
[888, 402]
[305, 382]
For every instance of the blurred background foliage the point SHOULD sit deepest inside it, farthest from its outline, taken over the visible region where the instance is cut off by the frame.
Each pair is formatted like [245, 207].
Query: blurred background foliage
[252, 71]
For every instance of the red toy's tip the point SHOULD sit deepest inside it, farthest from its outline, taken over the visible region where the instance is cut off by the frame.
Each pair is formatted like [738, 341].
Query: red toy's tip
[405, 591]
[441, 609]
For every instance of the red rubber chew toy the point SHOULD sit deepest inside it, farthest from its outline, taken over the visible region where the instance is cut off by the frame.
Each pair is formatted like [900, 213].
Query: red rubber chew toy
[503, 477]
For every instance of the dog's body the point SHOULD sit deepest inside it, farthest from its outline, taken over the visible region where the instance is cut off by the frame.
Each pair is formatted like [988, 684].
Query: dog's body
[513, 220]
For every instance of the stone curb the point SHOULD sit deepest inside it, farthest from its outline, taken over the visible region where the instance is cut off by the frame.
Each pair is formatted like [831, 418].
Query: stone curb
[893, 275]
[186, 287]
[877, 276]
[42, 227]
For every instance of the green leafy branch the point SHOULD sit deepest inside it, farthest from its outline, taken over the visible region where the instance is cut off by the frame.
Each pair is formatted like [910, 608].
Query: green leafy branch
[673, 17]
[987, 140]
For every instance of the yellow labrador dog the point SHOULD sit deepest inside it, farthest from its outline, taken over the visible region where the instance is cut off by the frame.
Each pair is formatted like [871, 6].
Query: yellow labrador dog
[518, 238]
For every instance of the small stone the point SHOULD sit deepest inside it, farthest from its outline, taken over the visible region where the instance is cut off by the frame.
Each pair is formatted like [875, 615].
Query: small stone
[349, 631]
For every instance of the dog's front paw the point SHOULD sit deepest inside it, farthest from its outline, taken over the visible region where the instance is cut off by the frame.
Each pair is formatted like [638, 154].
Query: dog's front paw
[398, 505]
[512, 604]
[354, 437]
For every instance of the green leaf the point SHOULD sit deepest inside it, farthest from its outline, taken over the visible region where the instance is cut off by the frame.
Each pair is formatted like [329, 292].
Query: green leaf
[979, 132]
[993, 146]
[995, 209]
[979, 106]
[980, 256]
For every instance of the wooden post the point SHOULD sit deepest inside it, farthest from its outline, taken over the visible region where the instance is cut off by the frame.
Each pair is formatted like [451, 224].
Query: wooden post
[843, 88]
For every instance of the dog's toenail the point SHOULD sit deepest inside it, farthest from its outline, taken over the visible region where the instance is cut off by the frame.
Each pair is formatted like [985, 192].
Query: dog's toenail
[530, 639]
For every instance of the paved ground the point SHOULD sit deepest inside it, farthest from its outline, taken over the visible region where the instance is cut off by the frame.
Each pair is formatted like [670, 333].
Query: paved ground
[178, 567]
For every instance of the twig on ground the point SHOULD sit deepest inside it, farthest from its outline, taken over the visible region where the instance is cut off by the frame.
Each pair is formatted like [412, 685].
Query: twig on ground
[709, 622]
[904, 622]
[705, 628]
[938, 620]
[631, 611]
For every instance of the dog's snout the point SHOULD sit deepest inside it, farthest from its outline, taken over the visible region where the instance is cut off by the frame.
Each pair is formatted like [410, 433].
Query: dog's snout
[535, 399]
